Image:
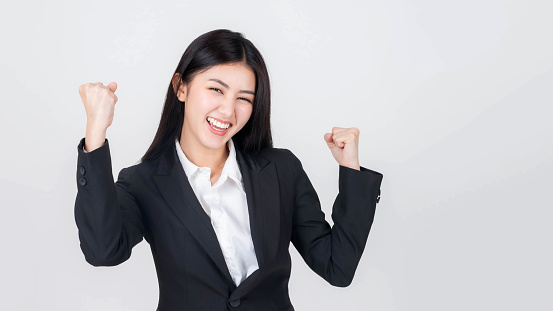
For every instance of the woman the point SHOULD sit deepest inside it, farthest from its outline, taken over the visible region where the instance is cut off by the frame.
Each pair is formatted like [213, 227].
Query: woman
[217, 203]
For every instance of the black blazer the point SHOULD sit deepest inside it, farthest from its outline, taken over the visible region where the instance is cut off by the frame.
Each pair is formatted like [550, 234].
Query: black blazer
[154, 200]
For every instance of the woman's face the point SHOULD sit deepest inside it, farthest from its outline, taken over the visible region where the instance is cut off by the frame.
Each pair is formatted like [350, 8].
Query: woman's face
[218, 103]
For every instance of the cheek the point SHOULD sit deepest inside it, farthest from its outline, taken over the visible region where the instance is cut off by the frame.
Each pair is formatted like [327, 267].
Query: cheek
[200, 105]
[245, 113]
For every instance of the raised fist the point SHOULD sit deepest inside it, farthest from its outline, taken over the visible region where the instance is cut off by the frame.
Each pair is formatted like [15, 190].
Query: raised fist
[99, 103]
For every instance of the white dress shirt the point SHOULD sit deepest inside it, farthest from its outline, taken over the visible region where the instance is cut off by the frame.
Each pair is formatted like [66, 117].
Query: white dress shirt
[225, 203]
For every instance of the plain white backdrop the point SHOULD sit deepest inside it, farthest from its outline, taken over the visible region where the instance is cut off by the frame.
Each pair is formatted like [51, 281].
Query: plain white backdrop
[453, 100]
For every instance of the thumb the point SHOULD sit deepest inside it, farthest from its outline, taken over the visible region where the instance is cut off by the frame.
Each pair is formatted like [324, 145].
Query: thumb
[328, 138]
[112, 86]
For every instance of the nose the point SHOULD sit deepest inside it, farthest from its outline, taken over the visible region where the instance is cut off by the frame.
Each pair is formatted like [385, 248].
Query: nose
[226, 108]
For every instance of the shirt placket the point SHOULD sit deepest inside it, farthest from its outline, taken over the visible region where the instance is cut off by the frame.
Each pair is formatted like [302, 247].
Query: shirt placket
[220, 225]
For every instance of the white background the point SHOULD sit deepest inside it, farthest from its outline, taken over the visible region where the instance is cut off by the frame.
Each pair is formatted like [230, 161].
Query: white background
[453, 100]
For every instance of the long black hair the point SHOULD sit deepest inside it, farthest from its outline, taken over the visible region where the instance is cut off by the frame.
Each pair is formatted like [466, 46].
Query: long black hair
[216, 47]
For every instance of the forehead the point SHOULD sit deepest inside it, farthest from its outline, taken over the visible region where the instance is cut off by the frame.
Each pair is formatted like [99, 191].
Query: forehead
[236, 75]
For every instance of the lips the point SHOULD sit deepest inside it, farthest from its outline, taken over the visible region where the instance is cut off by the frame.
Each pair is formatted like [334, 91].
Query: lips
[217, 128]
[218, 122]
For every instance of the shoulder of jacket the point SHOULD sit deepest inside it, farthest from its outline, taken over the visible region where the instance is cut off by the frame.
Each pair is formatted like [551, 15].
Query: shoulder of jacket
[142, 169]
[282, 157]
[278, 154]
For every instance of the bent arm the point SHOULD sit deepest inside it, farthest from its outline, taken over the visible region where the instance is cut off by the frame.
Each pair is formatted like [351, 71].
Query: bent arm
[334, 253]
[107, 215]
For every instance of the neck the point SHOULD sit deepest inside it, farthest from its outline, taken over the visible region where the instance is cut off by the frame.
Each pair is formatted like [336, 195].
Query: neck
[204, 157]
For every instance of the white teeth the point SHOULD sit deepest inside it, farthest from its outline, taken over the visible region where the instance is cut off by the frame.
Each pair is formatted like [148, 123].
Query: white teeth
[218, 124]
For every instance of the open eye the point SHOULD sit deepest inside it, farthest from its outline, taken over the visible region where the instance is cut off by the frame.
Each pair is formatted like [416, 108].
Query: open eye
[216, 89]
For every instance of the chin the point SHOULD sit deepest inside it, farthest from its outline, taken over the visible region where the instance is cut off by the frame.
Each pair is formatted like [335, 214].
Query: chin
[216, 142]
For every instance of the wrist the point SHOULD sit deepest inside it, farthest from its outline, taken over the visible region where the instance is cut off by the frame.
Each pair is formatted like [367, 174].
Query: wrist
[95, 137]
[354, 166]
[92, 127]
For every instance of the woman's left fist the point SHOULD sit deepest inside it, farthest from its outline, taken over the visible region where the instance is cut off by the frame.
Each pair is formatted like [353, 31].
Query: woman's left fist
[343, 143]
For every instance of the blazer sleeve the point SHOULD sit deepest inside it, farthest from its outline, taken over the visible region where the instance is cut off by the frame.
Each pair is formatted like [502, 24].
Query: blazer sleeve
[107, 215]
[334, 253]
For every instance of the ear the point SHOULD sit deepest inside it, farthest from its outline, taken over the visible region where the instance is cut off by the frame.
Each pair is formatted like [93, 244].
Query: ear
[179, 88]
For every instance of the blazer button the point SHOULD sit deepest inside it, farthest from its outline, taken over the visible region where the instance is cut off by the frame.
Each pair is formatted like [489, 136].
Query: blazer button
[378, 199]
[82, 170]
[82, 181]
[235, 303]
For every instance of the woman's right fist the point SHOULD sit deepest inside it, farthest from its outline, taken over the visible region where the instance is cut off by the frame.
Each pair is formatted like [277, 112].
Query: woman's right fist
[99, 103]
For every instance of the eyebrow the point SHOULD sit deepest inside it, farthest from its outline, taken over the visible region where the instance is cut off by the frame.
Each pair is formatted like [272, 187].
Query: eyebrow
[226, 86]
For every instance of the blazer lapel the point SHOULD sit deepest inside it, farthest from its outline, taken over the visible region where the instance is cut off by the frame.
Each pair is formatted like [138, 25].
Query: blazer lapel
[262, 193]
[261, 187]
[175, 188]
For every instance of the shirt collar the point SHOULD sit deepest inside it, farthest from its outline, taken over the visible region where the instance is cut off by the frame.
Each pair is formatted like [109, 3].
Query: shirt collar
[230, 168]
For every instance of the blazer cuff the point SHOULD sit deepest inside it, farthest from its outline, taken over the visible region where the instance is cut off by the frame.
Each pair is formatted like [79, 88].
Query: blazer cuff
[99, 158]
[80, 147]
[366, 180]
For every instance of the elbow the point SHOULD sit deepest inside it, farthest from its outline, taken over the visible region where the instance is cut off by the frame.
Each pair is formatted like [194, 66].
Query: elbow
[340, 283]
[108, 254]
[334, 274]
[339, 279]
[104, 262]
[95, 263]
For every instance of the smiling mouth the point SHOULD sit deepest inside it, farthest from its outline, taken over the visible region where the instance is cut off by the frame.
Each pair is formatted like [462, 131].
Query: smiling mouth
[216, 125]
